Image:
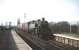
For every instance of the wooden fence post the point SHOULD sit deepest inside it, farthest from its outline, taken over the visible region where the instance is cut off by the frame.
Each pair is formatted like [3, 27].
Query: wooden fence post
[64, 40]
[77, 43]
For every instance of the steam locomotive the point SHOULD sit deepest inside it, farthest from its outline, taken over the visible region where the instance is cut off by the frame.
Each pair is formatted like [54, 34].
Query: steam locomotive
[39, 28]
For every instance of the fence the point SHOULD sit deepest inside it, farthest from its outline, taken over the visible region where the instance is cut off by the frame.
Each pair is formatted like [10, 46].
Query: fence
[70, 40]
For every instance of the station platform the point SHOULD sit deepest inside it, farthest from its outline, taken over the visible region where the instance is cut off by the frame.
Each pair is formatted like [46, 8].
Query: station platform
[18, 43]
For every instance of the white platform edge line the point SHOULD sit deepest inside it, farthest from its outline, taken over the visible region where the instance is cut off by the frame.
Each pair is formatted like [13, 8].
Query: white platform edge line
[12, 31]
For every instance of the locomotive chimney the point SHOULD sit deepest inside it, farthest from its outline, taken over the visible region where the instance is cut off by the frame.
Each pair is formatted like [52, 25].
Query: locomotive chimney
[43, 19]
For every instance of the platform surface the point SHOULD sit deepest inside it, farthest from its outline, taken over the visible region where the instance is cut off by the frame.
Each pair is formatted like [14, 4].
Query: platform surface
[20, 43]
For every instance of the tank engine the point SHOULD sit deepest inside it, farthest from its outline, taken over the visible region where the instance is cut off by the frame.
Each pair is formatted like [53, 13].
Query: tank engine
[39, 28]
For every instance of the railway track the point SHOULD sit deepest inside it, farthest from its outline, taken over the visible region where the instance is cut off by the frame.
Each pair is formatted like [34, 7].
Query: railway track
[39, 44]
[63, 46]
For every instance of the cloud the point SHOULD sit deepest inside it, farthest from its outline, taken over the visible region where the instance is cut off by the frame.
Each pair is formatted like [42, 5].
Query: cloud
[10, 10]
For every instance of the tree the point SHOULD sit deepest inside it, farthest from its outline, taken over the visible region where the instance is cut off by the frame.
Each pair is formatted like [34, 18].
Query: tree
[60, 27]
[74, 28]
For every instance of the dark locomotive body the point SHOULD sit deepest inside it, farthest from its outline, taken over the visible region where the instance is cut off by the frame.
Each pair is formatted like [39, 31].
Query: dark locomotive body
[38, 28]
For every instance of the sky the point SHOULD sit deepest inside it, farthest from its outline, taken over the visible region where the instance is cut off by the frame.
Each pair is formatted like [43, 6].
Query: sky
[52, 10]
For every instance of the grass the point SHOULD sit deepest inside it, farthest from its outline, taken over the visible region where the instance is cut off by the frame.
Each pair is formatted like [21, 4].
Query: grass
[1, 35]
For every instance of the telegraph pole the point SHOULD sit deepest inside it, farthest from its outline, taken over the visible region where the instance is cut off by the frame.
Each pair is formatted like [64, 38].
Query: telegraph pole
[10, 24]
[18, 22]
[70, 28]
[24, 17]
